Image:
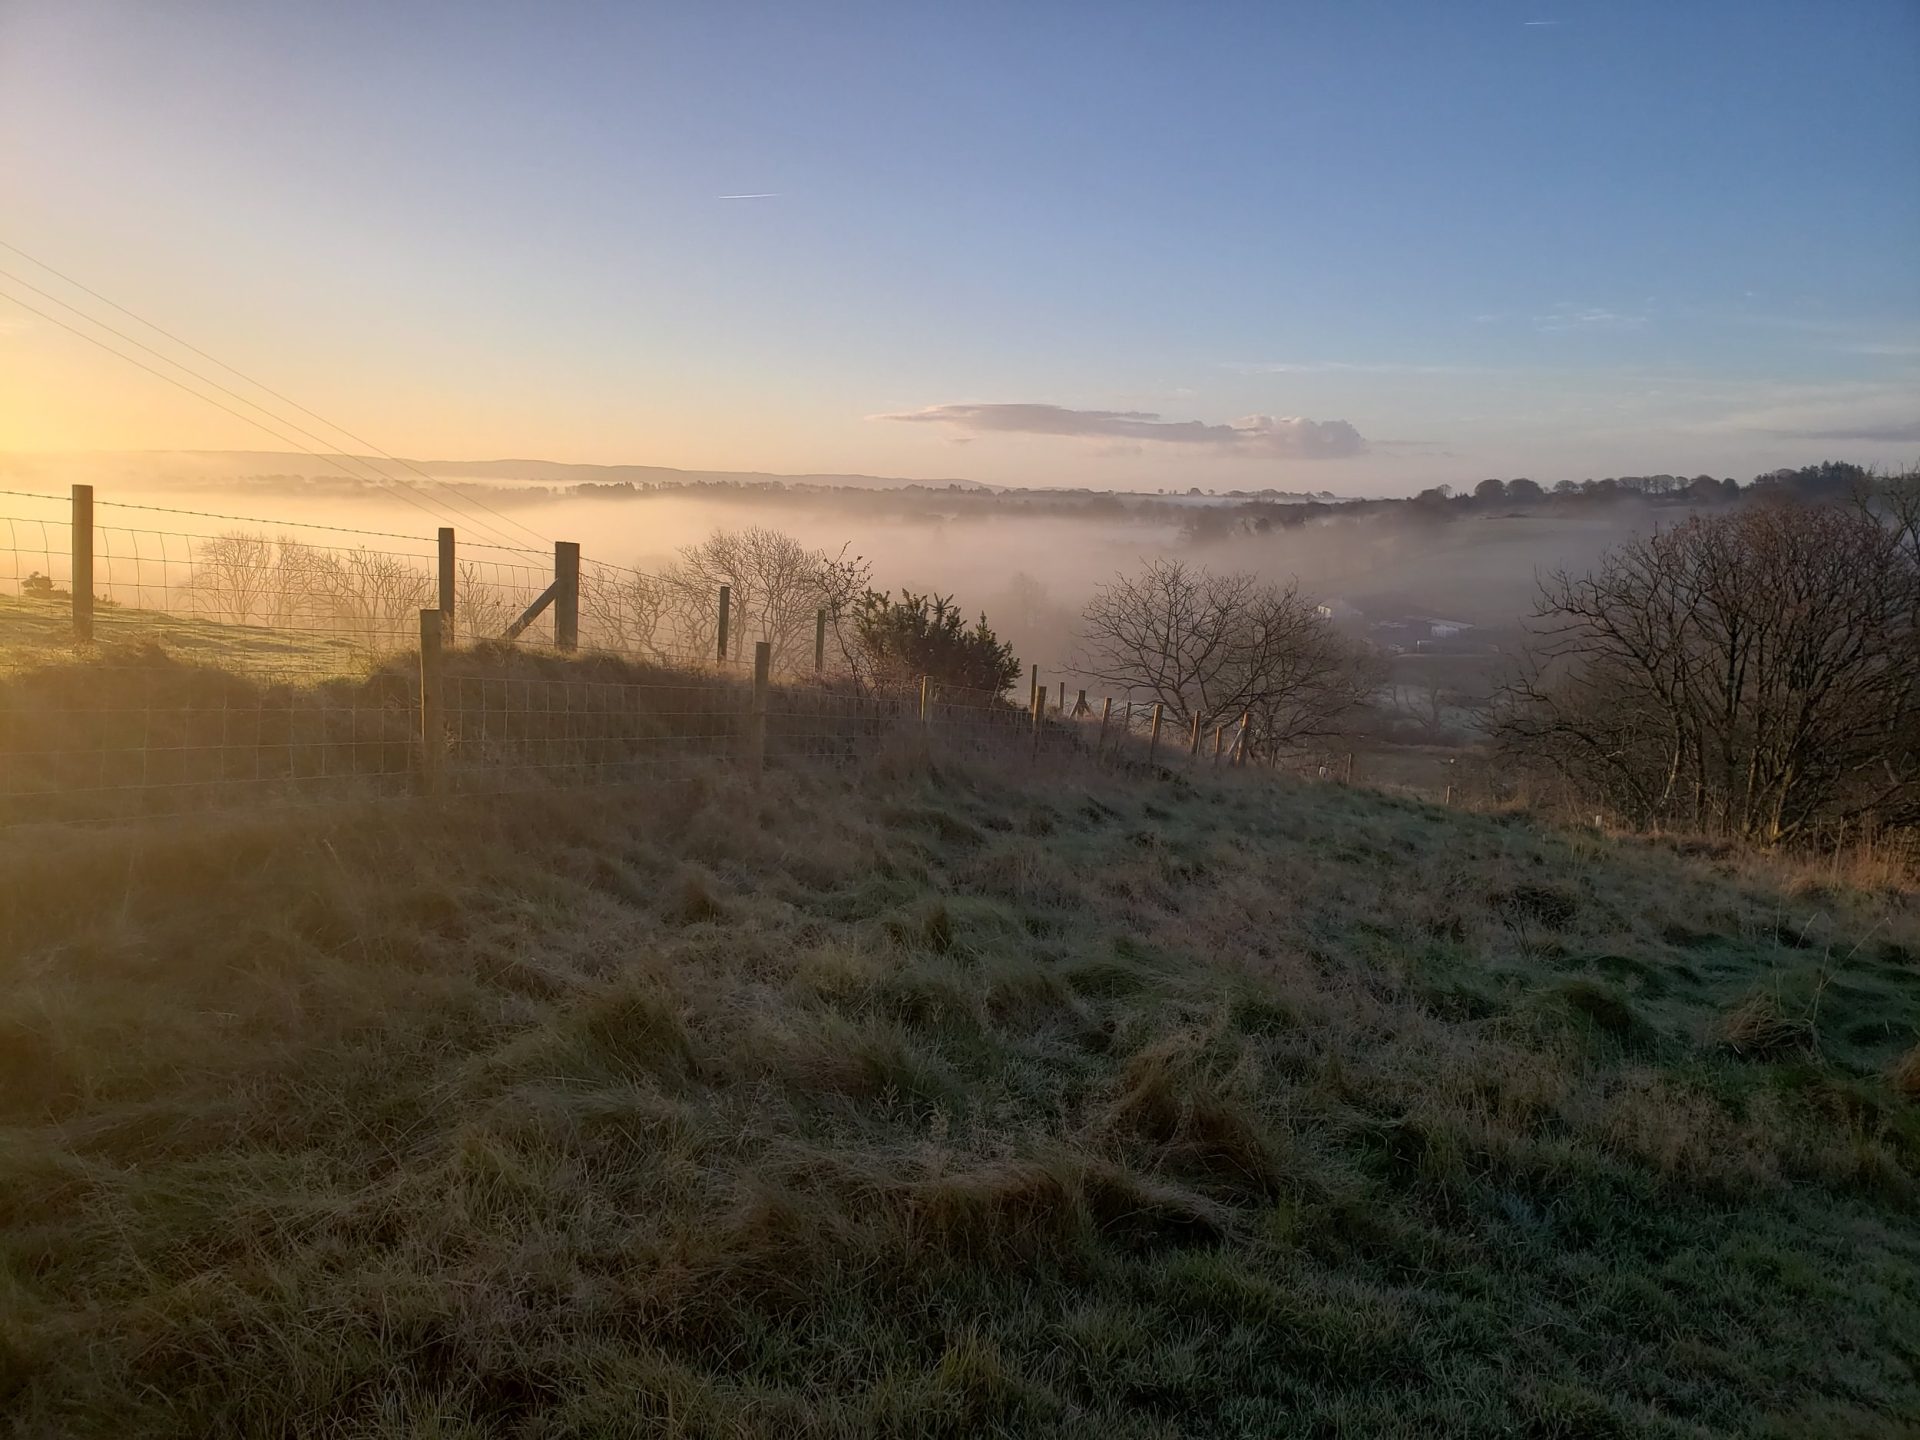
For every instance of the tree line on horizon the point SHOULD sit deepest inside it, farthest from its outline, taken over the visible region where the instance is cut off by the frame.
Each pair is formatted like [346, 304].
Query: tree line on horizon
[1826, 482]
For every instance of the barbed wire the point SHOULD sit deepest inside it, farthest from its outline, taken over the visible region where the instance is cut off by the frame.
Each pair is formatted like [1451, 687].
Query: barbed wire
[276, 671]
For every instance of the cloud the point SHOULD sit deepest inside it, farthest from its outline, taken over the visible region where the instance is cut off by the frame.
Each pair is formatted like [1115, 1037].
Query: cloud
[1897, 432]
[1288, 437]
[1565, 317]
[1883, 349]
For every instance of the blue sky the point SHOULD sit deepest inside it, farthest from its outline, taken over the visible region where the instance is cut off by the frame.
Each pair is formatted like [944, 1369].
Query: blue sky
[1361, 247]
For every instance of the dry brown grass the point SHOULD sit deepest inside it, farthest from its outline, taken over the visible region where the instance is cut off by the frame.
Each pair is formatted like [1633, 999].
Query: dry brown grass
[943, 1100]
[122, 730]
[1904, 1074]
[1759, 1028]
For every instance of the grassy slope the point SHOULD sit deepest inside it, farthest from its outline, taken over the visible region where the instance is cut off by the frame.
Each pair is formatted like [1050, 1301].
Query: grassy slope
[40, 632]
[969, 1103]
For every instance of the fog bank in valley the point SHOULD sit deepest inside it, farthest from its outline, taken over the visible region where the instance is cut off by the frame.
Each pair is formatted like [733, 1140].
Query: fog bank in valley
[1030, 561]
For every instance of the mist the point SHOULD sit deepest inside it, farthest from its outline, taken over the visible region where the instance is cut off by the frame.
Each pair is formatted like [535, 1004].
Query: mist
[1029, 572]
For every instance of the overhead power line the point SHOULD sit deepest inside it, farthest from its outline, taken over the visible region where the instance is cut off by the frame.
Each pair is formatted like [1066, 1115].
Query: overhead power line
[63, 499]
[258, 385]
[405, 493]
[335, 459]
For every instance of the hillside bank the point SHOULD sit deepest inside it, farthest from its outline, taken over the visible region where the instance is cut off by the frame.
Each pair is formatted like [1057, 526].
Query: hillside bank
[949, 1100]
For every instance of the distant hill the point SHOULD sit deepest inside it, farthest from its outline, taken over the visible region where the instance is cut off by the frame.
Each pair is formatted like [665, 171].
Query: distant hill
[182, 466]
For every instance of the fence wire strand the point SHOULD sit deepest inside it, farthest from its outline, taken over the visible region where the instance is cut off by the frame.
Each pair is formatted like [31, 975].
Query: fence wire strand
[282, 665]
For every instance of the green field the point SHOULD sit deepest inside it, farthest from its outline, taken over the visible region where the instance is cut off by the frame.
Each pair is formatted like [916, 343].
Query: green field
[950, 1100]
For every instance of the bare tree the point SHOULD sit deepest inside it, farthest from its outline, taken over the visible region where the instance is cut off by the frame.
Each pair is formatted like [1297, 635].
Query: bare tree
[627, 612]
[1218, 646]
[232, 577]
[778, 586]
[1423, 707]
[296, 593]
[1747, 674]
[372, 598]
[482, 608]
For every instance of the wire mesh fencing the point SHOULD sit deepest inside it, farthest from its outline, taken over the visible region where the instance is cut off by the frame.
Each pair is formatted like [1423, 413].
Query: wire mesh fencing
[514, 722]
[288, 597]
[160, 661]
[153, 734]
[157, 736]
[305, 597]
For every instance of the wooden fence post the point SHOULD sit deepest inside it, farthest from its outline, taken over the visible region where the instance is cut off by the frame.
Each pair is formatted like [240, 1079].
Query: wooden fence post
[1039, 708]
[1447, 799]
[757, 718]
[446, 585]
[726, 607]
[1106, 714]
[926, 701]
[819, 640]
[433, 730]
[1153, 736]
[1347, 778]
[1240, 745]
[1219, 735]
[1193, 739]
[1061, 708]
[82, 581]
[1033, 687]
[566, 595]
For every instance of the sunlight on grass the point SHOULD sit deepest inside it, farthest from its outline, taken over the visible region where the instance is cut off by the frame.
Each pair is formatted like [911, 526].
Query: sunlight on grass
[676, 1114]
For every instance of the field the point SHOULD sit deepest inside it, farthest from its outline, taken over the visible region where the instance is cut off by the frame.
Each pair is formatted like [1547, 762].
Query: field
[940, 1099]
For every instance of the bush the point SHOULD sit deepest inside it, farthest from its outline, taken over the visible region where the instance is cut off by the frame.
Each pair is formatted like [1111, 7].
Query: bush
[916, 635]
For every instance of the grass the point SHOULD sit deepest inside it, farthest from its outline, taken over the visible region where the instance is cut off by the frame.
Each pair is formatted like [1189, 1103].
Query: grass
[40, 632]
[160, 725]
[949, 1100]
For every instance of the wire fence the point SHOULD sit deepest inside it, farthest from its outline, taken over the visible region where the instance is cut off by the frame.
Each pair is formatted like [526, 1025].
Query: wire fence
[301, 597]
[265, 596]
[236, 661]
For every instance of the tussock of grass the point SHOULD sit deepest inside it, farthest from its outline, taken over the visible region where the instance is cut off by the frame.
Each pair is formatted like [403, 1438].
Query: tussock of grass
[1601, 1005]
[1903, 1075]
[1759, 1028]
[956, 1102]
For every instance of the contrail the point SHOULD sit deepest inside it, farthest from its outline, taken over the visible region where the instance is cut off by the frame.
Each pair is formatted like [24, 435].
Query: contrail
[758, 195]
[1525, 23]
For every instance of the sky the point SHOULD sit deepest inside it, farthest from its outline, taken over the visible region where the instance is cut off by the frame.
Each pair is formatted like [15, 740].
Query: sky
[1360, 247]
